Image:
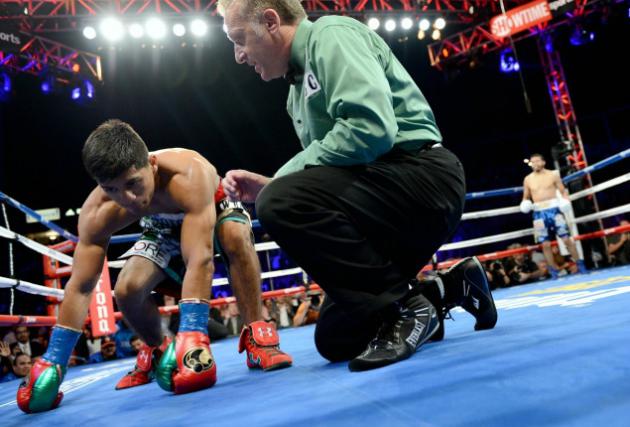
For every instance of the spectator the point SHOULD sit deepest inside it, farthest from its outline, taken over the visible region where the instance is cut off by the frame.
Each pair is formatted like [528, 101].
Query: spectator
[521, 269]
[539, 258]
[308, 311]
[136, 343]
[497, 277]
[25, 344]
[233, 319]
[108, 351]
[123, 339]
[169, 321]
[21, 367]
[9, 337]
[86, 346]
[92, 344]
[564, 266]
[216, 327]
[619, 246]
[269, 312]
[285, 312]
[5, 360]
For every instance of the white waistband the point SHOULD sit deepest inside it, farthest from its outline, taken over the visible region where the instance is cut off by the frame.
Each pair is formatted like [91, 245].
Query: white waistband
[546, 204]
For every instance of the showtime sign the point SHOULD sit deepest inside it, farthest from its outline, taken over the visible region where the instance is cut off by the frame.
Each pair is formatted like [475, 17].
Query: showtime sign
[521, 18]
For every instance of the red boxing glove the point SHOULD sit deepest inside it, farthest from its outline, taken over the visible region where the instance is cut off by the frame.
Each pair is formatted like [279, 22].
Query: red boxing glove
[40, 389]
[220, 193]
[187, 364]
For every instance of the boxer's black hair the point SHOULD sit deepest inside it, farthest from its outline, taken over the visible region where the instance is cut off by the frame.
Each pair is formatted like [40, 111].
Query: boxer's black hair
[113, 148]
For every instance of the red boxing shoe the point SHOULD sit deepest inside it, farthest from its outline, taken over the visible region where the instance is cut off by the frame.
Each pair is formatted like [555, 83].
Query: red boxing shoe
[262, 343]
[144, 371]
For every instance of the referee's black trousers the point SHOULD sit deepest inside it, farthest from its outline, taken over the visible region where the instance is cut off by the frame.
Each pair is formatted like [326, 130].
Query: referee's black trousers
[362, 232]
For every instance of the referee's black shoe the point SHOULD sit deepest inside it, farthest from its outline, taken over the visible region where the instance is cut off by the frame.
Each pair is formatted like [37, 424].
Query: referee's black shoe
[413, 322]
[466, 285]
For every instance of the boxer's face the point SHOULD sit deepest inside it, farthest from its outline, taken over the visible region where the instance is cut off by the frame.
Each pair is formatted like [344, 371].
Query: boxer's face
[134, 188]
[537, 163]
[257, 45]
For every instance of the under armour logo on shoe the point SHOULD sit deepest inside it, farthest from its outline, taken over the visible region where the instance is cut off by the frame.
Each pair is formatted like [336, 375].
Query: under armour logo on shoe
[143, 357]
[268, 331]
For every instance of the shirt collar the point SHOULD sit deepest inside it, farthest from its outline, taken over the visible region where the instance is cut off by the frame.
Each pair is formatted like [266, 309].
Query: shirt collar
[298, 52]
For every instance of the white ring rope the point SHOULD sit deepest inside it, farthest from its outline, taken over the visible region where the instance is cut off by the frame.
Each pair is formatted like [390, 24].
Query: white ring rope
[604, 214]
[491, 213]
[11, 259]
[601, 186]
[32, 288]
[521, 233]
[266, 246]
[37, 247]
[487, 239]
[266, 275]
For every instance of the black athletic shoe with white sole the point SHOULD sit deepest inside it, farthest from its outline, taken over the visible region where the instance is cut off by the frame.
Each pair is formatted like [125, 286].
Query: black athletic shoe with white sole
[399, 337]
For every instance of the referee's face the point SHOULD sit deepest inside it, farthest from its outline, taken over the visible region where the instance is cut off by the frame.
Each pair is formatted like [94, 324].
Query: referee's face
[259, 45]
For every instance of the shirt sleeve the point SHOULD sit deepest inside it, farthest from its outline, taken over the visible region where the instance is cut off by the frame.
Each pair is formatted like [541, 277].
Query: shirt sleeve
[358, 97]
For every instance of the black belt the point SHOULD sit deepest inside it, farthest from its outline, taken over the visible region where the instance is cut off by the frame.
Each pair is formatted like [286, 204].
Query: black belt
[425, 147]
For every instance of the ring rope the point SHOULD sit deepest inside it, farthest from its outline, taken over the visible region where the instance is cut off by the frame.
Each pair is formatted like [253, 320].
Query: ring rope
[37, 247]
[265, 246]
[512, 190]
[11, 259]
[509, 252]
[32, 288]
[51, 252]
[530, 231]
[30, 212]
[475, 195]
[516, 209]
[10, 320]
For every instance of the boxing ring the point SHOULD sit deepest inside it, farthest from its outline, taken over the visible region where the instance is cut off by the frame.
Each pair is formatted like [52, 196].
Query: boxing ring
[558, 356]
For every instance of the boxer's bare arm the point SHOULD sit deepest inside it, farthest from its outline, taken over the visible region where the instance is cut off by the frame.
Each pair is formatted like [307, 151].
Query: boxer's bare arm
[527, 193]
[98, 220]
[560, 186]
[193, 192]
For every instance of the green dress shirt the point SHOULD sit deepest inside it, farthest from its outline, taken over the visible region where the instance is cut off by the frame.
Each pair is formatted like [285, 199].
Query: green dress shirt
[350, 99]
